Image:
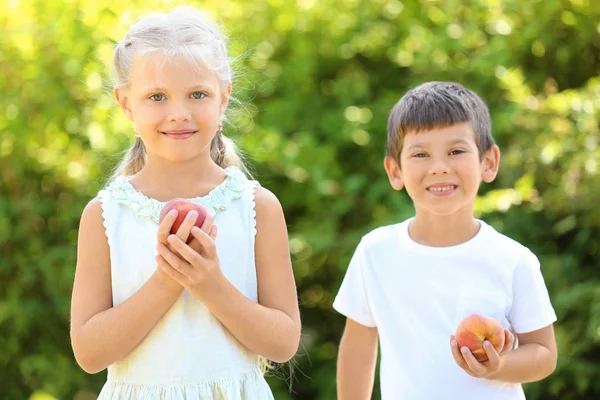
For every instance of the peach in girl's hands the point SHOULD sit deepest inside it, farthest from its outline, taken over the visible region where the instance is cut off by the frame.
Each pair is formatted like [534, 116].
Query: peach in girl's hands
[183, 207]
[475, 329]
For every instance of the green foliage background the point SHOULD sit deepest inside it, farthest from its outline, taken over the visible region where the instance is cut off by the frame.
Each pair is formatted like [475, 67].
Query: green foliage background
[316, 81]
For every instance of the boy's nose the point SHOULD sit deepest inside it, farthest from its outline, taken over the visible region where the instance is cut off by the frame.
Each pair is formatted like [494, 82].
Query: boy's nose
[439, 168]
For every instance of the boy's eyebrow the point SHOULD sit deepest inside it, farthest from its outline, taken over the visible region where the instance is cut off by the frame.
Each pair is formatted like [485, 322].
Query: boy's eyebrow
[422, 144]
[460, 140]
[415, 145]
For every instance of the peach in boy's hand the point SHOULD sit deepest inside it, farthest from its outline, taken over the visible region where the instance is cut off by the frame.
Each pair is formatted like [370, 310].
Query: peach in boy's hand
[183, 207]
[474, 330]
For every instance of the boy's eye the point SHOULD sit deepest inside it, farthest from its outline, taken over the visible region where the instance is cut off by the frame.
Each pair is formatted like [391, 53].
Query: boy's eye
[198, 95]
[456, 151]
[157, 97]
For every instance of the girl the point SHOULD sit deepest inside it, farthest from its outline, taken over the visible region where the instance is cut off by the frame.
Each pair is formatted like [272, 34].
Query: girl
[172, 320]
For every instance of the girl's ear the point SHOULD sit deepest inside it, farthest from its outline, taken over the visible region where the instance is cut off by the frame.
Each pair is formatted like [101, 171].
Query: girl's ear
[225, 95]
[491, 163]
[394, 173]
[123, 100]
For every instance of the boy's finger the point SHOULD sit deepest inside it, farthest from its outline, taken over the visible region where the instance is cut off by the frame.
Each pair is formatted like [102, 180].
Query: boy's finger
[509, 342]
[493, 356]
[458, 358]
[471, 361]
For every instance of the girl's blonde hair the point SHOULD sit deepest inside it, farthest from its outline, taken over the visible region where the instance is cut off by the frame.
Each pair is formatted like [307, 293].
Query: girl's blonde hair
[182, 31]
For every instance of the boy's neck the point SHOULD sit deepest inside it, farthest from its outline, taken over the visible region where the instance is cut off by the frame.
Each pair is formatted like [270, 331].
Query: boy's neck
[443, 231]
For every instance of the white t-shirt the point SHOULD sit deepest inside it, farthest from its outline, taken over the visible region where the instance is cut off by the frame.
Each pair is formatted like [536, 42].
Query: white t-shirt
[416, 295]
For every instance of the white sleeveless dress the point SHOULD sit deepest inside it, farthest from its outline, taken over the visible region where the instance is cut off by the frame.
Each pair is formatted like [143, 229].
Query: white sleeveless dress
[188, 354]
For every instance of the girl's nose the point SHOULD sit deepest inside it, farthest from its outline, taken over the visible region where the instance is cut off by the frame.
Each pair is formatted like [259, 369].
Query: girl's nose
[179, 113]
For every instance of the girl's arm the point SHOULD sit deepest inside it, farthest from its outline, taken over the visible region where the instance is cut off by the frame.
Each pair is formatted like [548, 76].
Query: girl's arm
[271, 327]
[533, 360]
[357, 357]
[102, 334]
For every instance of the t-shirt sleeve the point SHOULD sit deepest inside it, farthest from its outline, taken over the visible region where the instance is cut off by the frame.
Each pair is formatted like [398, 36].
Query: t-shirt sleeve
[352, 299]
[531, 308]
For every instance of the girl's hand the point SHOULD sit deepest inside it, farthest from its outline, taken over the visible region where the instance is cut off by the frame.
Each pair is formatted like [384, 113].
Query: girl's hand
[196, 271]
[164, 231]
[466, 360]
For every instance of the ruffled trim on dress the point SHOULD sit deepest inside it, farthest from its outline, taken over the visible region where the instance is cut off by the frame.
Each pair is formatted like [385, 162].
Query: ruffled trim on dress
[250, 386]
[253, 186]
[145, 207]
[103, 196]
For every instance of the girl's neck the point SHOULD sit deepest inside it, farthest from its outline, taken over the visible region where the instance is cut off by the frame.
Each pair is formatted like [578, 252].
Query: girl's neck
[164, 180]
[443, 230]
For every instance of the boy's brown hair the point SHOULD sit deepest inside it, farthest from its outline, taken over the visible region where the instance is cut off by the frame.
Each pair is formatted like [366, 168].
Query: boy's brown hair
[437, 105]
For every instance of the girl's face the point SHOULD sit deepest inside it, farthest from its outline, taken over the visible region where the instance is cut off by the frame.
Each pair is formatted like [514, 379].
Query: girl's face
[175, 105]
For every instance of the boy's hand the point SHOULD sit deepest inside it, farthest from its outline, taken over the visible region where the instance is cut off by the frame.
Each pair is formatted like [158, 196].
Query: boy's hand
[466, 360]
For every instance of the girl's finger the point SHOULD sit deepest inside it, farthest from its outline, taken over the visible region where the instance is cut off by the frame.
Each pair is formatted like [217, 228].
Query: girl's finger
[208, 223]
[187, 254]
[183, 232]
[164, 229]
[169, 270]
[208, 245]
[172, 259]
[213, 232]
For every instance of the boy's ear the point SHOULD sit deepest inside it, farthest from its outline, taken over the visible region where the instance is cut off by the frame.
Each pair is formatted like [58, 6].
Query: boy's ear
[491, 163]
[394, 174]
[123, 101]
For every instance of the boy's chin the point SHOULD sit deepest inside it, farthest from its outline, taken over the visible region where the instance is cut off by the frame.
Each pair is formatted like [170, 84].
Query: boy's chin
[443, 212]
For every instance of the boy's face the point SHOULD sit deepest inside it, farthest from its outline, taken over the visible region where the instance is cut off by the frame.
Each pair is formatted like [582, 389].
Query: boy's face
[441, 169]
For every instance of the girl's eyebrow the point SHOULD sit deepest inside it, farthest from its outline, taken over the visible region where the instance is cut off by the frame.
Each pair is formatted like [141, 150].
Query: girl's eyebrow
[155, 89]
[164, 89]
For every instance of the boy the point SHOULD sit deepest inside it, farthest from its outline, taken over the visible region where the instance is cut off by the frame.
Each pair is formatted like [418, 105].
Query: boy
[410, 284]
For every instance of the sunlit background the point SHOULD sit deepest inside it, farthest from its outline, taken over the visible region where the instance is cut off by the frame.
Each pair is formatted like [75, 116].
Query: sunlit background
[315, 82]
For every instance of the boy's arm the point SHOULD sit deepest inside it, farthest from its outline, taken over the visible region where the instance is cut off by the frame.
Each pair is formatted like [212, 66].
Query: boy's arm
[533, 360]
[356, 362]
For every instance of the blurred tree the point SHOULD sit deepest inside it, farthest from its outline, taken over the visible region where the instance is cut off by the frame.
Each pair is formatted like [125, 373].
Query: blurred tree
[316, 81]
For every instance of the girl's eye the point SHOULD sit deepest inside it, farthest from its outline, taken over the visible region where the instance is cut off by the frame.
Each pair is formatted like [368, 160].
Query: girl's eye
[157, 97]
[456, 151]
[198, 95]
[420, 155]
